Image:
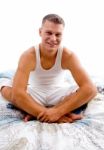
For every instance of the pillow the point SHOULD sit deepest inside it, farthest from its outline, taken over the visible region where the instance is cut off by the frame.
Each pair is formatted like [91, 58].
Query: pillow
[7, 74]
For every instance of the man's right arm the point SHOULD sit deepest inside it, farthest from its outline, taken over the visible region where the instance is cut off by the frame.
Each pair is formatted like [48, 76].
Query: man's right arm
[19, 95]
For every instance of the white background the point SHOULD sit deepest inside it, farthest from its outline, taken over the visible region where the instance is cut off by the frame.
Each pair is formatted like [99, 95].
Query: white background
[84, 31]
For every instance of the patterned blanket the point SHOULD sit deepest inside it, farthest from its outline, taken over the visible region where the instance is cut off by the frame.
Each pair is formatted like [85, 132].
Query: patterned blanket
[84, 134]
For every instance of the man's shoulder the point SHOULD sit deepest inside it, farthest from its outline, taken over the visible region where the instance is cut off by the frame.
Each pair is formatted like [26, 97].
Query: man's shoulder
[27, 59]
[67, 53]
[29, 53]
[67, 57]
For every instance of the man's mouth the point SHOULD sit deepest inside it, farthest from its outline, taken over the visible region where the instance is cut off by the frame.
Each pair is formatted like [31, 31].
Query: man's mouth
[52, 44]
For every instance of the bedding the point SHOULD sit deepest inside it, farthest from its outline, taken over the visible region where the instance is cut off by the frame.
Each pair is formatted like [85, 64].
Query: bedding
[84, 134]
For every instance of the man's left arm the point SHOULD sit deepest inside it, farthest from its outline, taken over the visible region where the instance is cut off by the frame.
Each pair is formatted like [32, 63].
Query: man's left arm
[86, 91]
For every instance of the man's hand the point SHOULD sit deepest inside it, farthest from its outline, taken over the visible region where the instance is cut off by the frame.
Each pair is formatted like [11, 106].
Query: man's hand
[50, 115]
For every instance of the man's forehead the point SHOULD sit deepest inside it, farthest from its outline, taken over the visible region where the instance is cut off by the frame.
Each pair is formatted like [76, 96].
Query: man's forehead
[48, 25]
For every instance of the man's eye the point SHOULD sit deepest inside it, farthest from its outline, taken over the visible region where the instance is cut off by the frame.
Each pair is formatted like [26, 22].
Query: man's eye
[58, 35]
[49, 33]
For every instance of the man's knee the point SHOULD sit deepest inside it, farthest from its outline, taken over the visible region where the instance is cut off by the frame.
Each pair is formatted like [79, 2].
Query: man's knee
[6, 92]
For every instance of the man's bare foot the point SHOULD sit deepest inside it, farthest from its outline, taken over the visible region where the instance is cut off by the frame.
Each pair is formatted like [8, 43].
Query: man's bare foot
[28, 117]
[70, 118]
[74, 116]
[65, 119]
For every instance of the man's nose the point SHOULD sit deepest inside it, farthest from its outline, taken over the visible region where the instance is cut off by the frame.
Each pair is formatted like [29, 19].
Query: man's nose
[53, 37]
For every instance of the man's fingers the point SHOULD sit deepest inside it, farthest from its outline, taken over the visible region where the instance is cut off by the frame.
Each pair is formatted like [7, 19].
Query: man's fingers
[43, 119]
[70, 120]
[42, 116]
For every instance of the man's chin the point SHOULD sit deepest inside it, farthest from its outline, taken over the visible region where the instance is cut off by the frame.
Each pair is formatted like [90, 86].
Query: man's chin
[52, 48]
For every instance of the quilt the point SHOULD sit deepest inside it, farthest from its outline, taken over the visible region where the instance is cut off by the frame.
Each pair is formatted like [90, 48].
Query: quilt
[84, 134]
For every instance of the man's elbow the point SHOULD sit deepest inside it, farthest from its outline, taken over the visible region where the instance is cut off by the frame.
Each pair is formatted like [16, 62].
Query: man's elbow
[92, 91]
[17, 95]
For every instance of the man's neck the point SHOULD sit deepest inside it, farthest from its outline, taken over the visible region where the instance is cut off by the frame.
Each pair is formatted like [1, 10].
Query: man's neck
[45, 55]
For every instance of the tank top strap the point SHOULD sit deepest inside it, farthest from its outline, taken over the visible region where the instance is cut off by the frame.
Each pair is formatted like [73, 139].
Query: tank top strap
[37, 56]
[59, 57]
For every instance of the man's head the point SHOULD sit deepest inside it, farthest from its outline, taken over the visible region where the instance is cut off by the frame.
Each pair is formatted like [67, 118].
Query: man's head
[51, 32]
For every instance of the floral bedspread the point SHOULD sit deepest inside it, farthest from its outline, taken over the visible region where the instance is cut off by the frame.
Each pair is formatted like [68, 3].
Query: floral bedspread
[84, 134]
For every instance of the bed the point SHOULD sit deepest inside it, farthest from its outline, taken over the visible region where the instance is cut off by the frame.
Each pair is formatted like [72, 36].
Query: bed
[84, 134]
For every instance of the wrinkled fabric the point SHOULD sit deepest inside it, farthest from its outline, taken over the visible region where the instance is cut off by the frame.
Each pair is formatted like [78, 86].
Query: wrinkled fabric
[84, 134]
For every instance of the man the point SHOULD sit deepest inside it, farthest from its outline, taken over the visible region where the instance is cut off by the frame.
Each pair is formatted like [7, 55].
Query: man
[47, 98]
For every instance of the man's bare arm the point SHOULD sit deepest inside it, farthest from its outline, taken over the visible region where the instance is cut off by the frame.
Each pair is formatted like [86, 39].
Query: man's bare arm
[19, 95]
[87, 89]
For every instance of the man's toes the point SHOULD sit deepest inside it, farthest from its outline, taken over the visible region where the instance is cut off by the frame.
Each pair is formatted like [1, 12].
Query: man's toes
[76, 116]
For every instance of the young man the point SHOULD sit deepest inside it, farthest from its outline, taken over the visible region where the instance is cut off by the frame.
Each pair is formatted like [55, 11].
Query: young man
[43, 66]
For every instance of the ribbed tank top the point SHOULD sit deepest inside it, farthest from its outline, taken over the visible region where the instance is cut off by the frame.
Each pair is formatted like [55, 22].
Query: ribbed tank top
[53, 77]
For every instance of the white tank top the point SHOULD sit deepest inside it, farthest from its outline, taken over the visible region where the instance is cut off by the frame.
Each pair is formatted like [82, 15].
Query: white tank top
[53, 77]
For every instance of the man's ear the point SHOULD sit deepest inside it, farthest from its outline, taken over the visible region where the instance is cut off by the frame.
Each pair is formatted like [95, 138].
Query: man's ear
[40, 31]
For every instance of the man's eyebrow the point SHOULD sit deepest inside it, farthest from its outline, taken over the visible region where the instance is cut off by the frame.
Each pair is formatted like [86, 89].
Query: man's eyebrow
[59, 33]
[49, 31]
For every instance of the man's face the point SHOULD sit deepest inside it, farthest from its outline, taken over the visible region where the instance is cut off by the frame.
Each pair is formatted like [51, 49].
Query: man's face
[51, 35]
